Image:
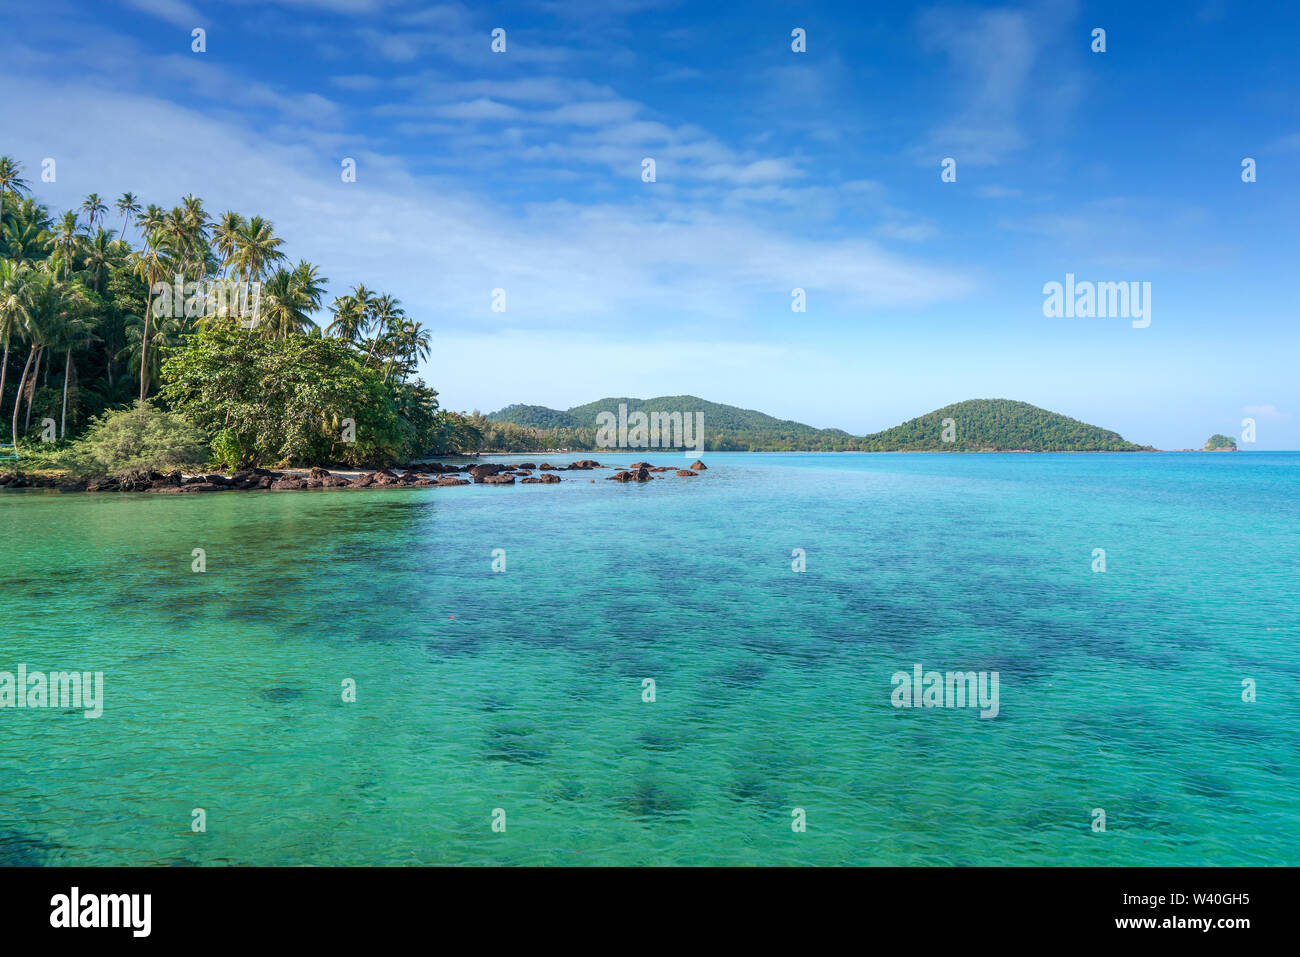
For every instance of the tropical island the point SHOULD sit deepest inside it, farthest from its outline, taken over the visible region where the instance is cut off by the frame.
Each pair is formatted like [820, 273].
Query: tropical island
[976, 425]
[179, 343]
[1220, 443]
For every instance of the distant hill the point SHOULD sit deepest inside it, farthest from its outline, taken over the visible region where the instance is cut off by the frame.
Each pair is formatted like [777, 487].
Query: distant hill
[977, 425]
[1220, 443]
[992, 425]
[727, 427]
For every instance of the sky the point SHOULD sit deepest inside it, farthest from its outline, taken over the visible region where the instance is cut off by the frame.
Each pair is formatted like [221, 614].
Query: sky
[774, 170]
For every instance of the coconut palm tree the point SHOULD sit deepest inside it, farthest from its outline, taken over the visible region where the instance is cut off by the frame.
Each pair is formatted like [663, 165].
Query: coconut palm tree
[225, 237]
[93, 207]
[25, 241]
[256, 248]
[69, 329]
[11, 180]
[350, 314]
[128, 204]
[151, 219]
[384, 313]
[100, 255]
[42, 301]
[13, 314]
[153, 260]
[67, 241]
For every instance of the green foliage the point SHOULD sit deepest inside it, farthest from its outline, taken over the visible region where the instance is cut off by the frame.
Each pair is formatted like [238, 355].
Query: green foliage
[982, 425]
[140, 438]
[726, 427]
[288, 400]
[1216, 442]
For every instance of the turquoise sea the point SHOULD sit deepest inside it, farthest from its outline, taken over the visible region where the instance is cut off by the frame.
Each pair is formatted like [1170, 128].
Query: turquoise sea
[521, 690]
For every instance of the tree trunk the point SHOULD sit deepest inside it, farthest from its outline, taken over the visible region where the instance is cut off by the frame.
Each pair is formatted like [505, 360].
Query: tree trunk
[4, 370]
[18, 399]
[63, 417]
[144, 342]
[31, 392]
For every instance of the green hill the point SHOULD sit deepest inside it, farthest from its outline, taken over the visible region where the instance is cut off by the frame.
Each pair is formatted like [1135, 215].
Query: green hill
[978, 425]
[726, 427]
[1220, 443]
[990, 425]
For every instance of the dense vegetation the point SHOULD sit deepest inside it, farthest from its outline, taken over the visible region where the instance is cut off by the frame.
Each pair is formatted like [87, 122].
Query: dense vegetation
[89, 328]
[978, 425]
[1217, 442]
[726, 427]
[982, 425]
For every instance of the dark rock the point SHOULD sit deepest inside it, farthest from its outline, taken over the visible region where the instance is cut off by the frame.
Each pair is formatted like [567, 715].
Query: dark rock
[102, 484]
[318, 474]
[698, 465]
[498, 479]
[525, 465]
[547, 478]
[215, 479]
[289, 484]
[584, 465]
[364, 480]
[334, 481]
[686, 472]
[481, 472]
[203, 487]
[545, 466]
[620, 477]
[447, 480]
[71, 486]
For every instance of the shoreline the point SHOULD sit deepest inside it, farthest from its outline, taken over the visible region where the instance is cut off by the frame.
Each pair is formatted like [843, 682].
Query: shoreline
[412, 475]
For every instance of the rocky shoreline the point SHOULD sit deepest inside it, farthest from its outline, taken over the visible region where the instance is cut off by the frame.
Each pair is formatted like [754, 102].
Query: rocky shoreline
[414, 475]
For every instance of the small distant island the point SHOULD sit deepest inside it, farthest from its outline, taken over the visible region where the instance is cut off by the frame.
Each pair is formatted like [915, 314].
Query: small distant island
[1220, 443]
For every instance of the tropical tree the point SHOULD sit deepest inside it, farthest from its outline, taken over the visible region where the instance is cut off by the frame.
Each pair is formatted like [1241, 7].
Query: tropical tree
[67, 241]
[350, 315]
[128, 204]
[69, 329]
[13, 313]
[11, 180]
[93, 207]
[225, 237]
[256, 248]
[150, 262]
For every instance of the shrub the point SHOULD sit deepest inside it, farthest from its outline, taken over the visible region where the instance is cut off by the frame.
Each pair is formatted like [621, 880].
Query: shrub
[142, 438]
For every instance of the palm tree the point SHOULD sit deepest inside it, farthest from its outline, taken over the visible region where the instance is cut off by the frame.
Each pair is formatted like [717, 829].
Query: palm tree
[93, 207]
[350, 314]
[151, 219]
[225, 237]
[25, 240]
[100, 255]
[40, 303]
[11, 180]
[152, 260]
[128, 204]
[13, 316]
[68, 330]
[256, 248]
[384, 313]
[67, 240]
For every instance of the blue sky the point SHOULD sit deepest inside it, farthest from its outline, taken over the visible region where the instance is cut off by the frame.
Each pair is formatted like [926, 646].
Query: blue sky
[774, 170]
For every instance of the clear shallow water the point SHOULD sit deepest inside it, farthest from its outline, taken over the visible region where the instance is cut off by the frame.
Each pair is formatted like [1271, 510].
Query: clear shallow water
[522, 690]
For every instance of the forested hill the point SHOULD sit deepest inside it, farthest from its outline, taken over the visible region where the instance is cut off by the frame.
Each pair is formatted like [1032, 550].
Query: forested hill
[990, 425]
[977, 425]
[726, 427]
